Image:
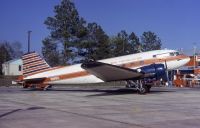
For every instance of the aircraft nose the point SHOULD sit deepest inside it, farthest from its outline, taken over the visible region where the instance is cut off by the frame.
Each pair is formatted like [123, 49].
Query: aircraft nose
[185, 60]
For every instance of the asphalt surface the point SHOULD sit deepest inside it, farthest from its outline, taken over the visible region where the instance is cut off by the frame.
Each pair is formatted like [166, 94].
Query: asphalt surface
[80, 107]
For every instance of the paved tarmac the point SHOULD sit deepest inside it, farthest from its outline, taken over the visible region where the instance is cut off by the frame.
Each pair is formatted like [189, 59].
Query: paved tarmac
[99, 108]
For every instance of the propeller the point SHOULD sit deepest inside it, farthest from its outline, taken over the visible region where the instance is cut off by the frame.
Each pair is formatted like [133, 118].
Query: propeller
[167, 75]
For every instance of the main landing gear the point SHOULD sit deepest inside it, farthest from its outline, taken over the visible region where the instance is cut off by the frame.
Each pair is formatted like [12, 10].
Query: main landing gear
[43, 87]
[139, 85]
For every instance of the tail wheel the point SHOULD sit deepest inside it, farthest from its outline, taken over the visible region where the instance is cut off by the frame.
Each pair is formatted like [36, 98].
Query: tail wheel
[47, 87]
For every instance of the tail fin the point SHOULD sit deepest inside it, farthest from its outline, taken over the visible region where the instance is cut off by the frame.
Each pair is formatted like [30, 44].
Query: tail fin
[33, 64]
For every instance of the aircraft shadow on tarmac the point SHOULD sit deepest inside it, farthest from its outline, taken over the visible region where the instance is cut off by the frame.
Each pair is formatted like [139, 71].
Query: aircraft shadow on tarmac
[125, 91]
[104, 92]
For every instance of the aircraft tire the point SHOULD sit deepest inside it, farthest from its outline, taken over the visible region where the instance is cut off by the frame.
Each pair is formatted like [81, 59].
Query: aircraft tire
[143, 90]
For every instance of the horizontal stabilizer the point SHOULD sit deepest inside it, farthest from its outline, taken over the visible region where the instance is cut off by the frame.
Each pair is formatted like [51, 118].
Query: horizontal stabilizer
[35, 80]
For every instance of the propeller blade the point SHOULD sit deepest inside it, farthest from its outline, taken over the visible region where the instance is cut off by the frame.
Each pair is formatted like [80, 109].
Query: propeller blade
[167, 75]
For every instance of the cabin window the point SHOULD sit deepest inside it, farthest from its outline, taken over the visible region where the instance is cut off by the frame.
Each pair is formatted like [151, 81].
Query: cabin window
[20, 68]
[172, 54]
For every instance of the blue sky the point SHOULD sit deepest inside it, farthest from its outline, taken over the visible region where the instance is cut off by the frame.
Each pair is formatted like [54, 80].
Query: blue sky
[176, 22]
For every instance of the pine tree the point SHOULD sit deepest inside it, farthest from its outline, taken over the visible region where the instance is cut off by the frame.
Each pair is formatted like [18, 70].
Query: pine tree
[66, 27]
[150, 41]
[50, 52]
[120, 44]
[95, 44]
[135, 45]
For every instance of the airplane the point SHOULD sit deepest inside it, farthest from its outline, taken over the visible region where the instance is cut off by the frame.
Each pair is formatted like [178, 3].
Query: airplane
[136, 69]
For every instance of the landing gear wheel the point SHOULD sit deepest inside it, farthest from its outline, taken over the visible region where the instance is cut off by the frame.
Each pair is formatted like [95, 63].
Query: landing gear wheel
[143, 90]
[139, 85]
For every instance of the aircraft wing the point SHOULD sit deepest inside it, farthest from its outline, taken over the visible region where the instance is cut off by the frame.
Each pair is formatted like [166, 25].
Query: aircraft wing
[108, 72]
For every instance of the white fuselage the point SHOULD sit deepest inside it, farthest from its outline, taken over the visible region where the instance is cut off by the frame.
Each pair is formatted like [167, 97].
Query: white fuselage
[73, 74]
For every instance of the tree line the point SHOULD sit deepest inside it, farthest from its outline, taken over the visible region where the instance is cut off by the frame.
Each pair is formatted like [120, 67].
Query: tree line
[73, 40]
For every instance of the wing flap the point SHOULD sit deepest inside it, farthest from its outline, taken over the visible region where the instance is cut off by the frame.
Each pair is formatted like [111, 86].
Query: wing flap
[108, 72]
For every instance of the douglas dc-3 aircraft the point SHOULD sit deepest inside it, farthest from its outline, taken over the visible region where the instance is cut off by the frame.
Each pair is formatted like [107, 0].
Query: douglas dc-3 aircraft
[135, 69]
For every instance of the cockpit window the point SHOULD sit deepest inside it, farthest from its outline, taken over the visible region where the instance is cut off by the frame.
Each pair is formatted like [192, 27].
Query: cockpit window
[177, 53]
[174, 53]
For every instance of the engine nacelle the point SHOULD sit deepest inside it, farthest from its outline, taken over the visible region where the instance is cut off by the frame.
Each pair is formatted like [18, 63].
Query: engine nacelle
[154, 71]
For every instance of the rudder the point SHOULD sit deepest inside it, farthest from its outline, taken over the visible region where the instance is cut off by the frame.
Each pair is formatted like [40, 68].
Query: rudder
[33, 63]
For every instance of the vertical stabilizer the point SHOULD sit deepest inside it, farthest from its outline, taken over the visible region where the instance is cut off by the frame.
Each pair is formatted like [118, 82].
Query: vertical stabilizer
[33, 63]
